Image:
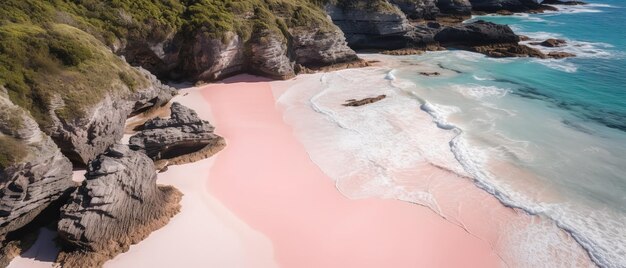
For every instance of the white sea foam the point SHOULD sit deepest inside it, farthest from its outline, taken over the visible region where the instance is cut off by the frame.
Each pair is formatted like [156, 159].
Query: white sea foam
[482, 78]
[389, 136]
[560, 64]
[581, 49]
[567, 9]
[478, 92]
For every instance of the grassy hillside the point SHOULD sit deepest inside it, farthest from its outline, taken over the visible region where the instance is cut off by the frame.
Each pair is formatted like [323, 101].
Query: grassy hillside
[54, 48]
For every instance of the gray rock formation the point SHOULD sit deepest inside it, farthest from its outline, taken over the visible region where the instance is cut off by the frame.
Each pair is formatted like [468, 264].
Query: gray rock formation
[418, 9]
[202, 56]
[508, 5]
[182, 138]
[210, 59]
[455, 7]
[268, 56]
[33, 172]
[476, 34]
[365, 27]
[315, 48]
[119, 204]
[103, 125]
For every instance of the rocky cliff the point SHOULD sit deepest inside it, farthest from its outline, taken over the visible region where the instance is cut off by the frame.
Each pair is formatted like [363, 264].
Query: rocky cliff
[33, 172]
[119, 204]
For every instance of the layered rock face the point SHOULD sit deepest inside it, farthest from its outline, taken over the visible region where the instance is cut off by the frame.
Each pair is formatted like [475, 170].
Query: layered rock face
[119, 204]
[508, 5]
[83, 138]
[182, 138]
[461, 8]
[255, 46]
[476, 34]
[366, 27]
[418, 9]
[33, 172]
[210, 59]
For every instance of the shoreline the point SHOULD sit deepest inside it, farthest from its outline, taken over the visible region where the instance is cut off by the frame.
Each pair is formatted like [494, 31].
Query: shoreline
[283, 194]
[217, 191]
[449, 191]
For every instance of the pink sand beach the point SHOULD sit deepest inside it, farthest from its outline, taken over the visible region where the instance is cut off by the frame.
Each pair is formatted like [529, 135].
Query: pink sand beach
[265, 177]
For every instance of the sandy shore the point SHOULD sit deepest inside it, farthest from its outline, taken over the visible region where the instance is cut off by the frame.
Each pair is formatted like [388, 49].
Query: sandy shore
[267, 179]
[262, 202]
[204, 233]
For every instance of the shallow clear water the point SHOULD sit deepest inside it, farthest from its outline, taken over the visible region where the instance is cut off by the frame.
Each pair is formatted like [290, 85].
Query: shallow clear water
[547, 136]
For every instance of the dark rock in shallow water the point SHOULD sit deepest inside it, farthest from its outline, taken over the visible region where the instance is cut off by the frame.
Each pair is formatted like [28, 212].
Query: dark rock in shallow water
[509, 50]
[476, 34]
[560, 55]
[357, 103]
[182, 138]
[551, 43]
[119, 204]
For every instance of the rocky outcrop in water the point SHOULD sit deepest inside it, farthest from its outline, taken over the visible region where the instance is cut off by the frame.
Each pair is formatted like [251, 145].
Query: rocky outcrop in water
[33, 172]
[552, 42]
[366, 101]
[119, 204]
[182, 138]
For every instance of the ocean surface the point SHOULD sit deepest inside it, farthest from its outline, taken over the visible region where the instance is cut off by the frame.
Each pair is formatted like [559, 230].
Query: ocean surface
[546, 137]
[558, 123]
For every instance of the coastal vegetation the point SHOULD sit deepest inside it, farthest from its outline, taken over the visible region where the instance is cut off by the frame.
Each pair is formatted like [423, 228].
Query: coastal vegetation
[51, 49]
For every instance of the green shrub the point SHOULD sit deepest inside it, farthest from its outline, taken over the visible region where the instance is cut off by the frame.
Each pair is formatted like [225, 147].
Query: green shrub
[11, 151]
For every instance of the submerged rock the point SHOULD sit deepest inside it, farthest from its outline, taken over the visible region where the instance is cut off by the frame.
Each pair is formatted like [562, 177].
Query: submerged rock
[560, 55]
[119, 204]
[182, 138]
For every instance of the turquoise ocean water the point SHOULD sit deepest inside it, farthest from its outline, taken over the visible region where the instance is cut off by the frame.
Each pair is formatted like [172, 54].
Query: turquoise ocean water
[545, 136]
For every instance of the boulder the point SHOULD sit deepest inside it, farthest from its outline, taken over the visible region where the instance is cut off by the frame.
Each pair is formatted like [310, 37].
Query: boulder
[119, 204]
[560, 55]
[509, 50]
[182, 138]
[551, 43]
[361, 102]
[476, 34]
